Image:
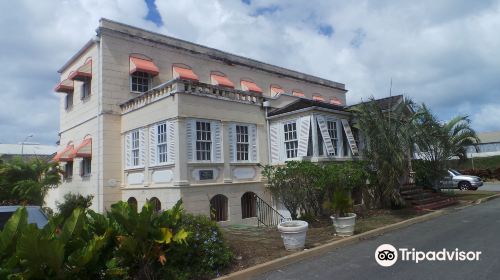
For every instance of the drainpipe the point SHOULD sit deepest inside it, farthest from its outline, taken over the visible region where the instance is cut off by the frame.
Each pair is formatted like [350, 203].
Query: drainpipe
[100, 205]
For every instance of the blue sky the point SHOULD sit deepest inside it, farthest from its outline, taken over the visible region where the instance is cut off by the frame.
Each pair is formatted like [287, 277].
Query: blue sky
[443, 53]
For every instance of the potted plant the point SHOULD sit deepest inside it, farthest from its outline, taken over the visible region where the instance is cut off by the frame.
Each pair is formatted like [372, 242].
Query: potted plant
[293, 234]
[343, 218]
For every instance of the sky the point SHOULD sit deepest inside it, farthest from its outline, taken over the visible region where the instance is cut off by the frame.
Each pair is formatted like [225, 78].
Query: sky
[445, 53]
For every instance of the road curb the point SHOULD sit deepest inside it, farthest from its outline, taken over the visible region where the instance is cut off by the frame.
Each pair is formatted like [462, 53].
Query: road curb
[488, 198]
[283, 261]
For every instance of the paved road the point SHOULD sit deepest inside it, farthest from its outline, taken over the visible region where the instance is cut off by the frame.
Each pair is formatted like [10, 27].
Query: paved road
[490, 187]
[475, 228]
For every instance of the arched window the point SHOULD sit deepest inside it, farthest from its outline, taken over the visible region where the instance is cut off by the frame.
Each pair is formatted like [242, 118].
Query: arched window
[155, 202]
[218, 208]
[248, 205]
[132, 202]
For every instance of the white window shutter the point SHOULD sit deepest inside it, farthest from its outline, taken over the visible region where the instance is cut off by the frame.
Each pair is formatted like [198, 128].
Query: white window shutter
[128, 154]
[253, 143]
[190, 134]
[303, 125]
[274, 137]
[171, 141]
[142, 147]
[153, 138]
[217, 141]
[326, 136]
[231, 130]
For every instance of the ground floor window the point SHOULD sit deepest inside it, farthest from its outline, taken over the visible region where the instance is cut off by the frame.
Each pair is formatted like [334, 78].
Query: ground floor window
[218, 208]
[248, 205]
[132, 202]
[155, 202]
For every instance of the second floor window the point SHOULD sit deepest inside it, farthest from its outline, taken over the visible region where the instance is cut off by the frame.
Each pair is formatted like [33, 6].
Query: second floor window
[242, 143]
[203, 140]
[291, 140]
[161, 142]
[85, 89]
[135, 148]
[68, 101]
[86, 166]
[68, 170]
[140, 82]
[332, 130]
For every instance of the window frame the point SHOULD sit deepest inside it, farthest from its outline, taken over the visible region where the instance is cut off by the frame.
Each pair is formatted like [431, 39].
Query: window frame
[68, 101]
[161, 146]
[333, 131]
[86, 164]
[290, 139]
[68, 172]
[86, 89]
[199, 141]
[147, 77]
[240, 142]
[135, 149]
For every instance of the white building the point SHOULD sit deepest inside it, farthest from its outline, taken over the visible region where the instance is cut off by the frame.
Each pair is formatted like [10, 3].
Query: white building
[149, 117]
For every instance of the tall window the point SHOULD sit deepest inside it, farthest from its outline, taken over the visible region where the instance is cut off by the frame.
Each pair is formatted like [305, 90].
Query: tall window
[86, 166]
[203, 140]
[161, 142]
[140, 81]
[85, 89]
[68, 101]
[291, 140]
[68, 170]
[135, 148]
[242, 142]
[332, 131]
[248, 205]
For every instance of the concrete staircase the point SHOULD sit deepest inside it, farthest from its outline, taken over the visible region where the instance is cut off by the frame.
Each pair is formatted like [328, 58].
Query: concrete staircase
[425, 199]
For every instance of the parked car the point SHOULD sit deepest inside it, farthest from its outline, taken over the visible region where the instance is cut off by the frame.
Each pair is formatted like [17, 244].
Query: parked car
[35, 215]
[457, 180]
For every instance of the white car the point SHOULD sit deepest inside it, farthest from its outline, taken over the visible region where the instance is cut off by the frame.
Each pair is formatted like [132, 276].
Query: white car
[457, 180]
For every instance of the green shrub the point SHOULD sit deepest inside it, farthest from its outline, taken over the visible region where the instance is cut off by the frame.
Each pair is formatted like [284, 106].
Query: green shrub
[204, 255]
[73, 201]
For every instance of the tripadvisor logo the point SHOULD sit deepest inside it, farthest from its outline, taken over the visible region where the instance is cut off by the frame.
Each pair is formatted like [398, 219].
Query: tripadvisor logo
[387, 255]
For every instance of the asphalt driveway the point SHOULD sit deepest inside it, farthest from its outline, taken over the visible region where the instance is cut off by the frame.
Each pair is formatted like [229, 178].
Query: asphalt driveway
[475, 228]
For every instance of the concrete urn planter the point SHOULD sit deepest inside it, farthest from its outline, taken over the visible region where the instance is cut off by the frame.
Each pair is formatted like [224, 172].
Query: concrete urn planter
[344, 226]
[293, 234]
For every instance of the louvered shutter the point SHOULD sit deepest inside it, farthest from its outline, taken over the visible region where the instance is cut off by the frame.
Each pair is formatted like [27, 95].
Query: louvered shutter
[274, 137]
[253, 143]
[153, 147]
[326, 136]
[171, 141]
[231, 130]
[190, 133]
[216, 141]
[128, 154]
[304, 125]
[142, 147]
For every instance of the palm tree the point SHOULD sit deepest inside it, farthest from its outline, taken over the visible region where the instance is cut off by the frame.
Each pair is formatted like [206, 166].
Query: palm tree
[388, 136]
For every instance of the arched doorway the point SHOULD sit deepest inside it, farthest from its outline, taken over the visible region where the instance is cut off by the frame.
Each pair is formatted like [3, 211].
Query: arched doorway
[218, 208]
[132, 202]
[248, 205]
[155, 202]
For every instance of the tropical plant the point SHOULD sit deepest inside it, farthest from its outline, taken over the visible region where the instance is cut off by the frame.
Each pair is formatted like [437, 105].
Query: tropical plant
[437, 143]
[204, 256]
[341, 202]
[388, 137]
[73, 201]
[27, 182]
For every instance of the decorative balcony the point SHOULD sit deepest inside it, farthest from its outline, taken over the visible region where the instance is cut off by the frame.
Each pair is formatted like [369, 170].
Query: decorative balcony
[179, 86]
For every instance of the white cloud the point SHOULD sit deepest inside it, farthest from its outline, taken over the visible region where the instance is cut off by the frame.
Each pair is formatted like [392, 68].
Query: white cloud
[444, 53]
[486, 119]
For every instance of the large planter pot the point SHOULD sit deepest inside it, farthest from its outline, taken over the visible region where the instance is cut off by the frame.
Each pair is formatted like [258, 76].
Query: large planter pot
[293, 234]
[344, 226]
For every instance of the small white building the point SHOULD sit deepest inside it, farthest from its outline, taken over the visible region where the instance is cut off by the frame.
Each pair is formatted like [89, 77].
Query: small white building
[149, 117]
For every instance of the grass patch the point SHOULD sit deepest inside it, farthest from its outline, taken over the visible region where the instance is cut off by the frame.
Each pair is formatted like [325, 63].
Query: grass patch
[479, 163]
[468, 195]
[380, 218]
